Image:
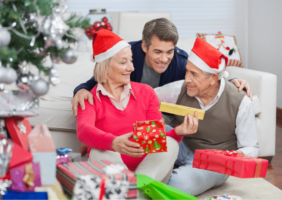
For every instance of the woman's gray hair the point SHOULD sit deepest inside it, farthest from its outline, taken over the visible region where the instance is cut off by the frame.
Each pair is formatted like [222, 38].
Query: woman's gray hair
[164, 29]
[100, 70]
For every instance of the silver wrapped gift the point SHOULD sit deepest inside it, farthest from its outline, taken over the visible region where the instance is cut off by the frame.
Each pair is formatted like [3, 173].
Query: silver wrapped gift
[18, 103]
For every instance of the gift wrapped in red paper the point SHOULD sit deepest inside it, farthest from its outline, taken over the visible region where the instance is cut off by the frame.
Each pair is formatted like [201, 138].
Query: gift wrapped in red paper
[230, 163]
[150, 135]
[19, 129]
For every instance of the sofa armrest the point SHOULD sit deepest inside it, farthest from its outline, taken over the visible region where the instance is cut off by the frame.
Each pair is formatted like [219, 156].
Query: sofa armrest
[264, 85]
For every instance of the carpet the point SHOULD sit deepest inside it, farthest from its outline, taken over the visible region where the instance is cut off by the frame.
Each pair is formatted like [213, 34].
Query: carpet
[248, 189]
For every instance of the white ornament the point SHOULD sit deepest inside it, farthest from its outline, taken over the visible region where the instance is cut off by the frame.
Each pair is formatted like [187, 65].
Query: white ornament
[39, 87]
[11, 76]
[154, 130]
[139, 133]
[70, 56]
[156, 136]
[5, 37]
[146, 137]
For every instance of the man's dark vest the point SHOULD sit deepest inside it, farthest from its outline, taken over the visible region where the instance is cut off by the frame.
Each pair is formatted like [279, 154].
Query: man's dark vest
[217, 130]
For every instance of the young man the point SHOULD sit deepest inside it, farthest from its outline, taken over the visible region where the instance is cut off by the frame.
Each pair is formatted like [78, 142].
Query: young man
[156, 59]
[229, 122]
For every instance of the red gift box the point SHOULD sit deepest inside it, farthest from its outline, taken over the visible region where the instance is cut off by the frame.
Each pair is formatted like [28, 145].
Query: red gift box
[19, 156]
[230, 163]
[19, 128]
[150, 135]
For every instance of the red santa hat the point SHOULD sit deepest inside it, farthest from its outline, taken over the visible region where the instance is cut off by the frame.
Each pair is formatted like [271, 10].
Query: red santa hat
[106, 44]
[207, 58]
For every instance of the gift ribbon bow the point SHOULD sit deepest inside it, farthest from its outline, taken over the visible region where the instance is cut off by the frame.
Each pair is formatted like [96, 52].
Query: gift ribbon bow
[29, 176]
[235, 154]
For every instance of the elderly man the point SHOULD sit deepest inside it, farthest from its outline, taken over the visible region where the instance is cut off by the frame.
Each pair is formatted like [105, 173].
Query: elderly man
[229, 122]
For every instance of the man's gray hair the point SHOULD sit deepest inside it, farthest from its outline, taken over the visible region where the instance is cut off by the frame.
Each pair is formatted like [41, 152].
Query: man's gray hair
[220, 74]
[164, 29]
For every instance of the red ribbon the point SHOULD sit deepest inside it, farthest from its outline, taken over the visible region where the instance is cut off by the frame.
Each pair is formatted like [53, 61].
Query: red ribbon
[103, 189]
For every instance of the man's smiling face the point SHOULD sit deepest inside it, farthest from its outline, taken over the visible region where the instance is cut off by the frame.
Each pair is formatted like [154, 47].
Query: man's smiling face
[159, 54]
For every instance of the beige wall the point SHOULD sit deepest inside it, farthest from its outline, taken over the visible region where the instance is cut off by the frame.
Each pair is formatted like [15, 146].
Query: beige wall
[265, 39]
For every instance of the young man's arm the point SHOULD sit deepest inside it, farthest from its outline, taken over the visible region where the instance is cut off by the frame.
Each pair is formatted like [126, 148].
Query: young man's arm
[81, 92]
[87, 85]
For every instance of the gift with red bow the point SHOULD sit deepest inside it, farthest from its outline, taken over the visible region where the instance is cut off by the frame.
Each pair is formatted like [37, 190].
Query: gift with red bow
[230, 163]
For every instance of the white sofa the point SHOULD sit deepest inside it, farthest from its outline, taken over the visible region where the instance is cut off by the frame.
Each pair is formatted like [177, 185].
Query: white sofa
[56, 112]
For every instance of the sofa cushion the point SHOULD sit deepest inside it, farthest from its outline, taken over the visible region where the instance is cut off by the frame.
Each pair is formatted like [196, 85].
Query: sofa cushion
[57, 115]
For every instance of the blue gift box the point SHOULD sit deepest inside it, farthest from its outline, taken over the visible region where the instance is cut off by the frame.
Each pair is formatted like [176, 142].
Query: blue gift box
[10, 195]
[47, 162]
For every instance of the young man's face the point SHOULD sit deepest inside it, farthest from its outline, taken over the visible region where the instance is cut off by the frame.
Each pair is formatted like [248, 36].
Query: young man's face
[159, 54]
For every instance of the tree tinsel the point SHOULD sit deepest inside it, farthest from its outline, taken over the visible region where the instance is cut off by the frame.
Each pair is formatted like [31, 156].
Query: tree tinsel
[19, 49]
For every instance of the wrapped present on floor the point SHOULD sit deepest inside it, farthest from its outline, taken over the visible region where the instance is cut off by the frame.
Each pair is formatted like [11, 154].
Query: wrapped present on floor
[26, 177]
[230, 163]
[43, 150]
[95, 187]
[19, 156]
[63, 159]
[25, 195]
[54, 193]
[150, 135]
[68, 173]
[19, 129]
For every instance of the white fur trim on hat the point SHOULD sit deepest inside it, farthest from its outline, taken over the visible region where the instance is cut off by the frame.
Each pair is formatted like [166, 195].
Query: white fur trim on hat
[112, 51]
[196, 60]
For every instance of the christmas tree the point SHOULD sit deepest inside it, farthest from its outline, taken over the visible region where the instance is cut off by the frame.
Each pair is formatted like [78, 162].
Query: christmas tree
[31, 30]
[157, 145]
[148, 129]
[162, 134]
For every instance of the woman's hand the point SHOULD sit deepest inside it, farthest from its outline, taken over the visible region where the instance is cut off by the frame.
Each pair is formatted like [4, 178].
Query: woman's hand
[189, 125]
[122, 145]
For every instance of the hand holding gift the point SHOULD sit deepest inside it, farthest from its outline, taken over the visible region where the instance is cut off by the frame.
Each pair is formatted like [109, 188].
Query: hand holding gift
[189, 125]
[151, 136]
[122, 145]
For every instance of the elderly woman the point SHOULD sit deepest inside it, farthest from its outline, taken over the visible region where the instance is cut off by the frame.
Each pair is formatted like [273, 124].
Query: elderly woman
[106, 126]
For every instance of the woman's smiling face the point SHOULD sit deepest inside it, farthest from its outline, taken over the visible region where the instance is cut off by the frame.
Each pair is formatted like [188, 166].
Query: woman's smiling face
[121, 67]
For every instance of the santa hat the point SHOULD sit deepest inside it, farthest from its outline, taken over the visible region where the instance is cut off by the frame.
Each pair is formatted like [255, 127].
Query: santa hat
[106, 44]
[207, 58]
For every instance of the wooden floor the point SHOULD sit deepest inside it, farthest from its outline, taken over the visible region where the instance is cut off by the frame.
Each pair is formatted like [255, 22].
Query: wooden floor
[274, 172]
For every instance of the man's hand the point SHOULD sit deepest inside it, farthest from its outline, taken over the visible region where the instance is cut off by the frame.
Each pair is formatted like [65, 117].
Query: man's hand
[240, 152]
[79, 99]
[241, 84]
[122, 145]
[189, 125]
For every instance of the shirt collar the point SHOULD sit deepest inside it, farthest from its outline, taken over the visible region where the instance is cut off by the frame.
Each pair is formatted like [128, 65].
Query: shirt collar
[127, 89]
[220, 91]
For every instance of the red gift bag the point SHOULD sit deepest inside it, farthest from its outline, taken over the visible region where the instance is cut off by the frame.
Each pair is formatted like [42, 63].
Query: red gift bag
[150, 135]
[19, 128]
[230, 163]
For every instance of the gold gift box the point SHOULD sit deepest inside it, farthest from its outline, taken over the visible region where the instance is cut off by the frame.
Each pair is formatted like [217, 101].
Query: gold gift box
[180, 110]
